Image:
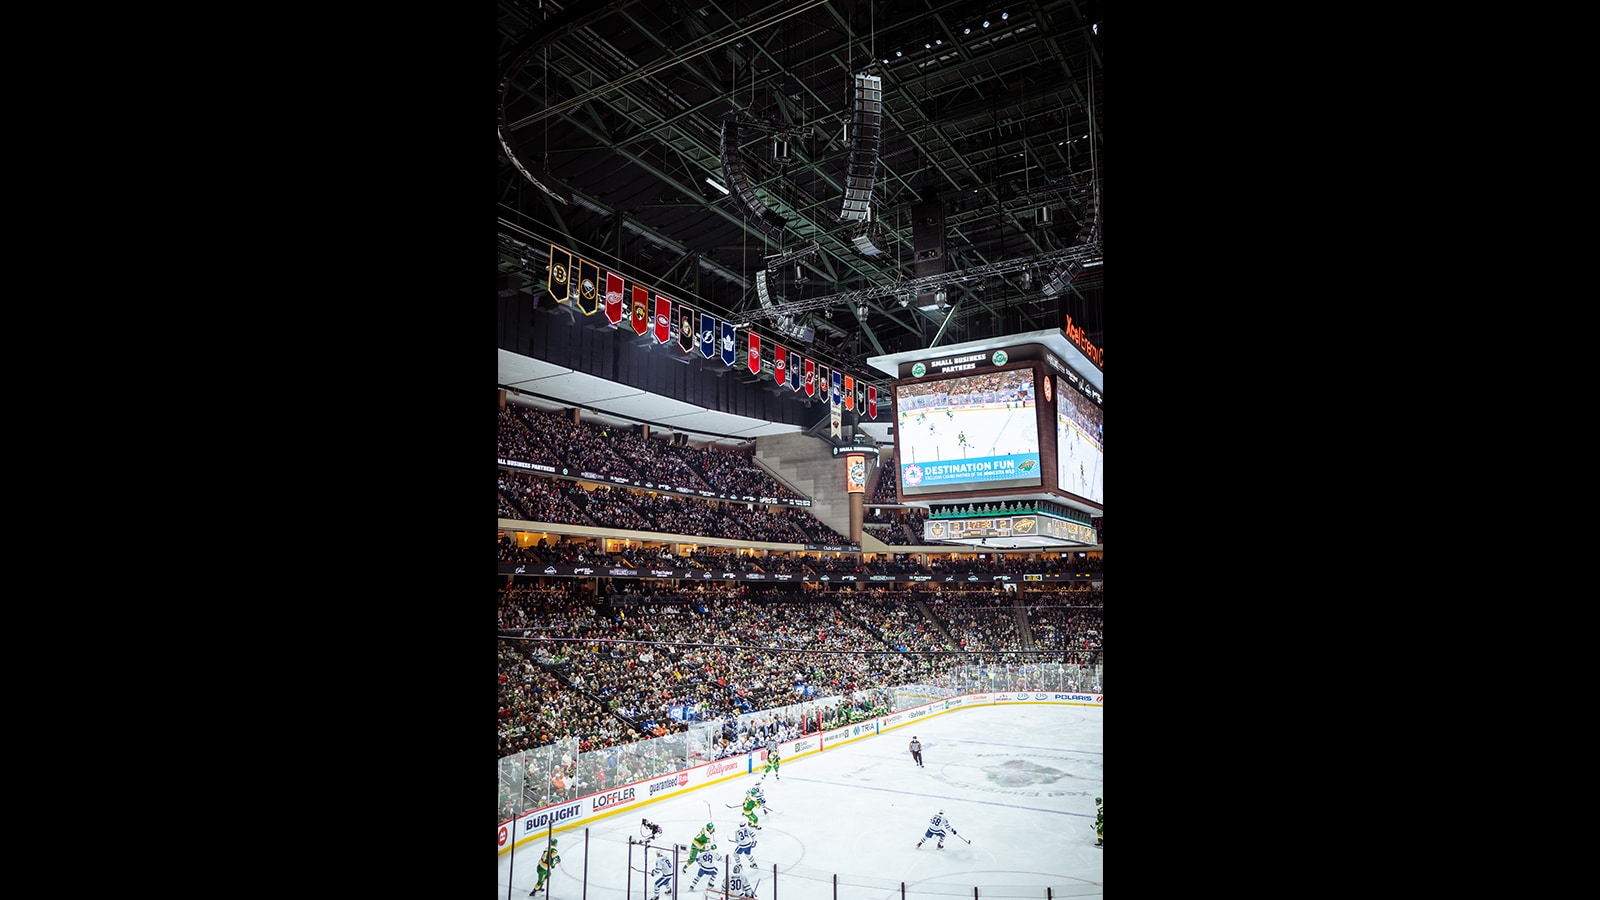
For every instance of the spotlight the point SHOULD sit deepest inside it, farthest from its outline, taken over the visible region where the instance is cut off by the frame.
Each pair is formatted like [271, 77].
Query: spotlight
[986, 23]
[927, 46]
[897, 54]
[966, 31]
[1005, 15]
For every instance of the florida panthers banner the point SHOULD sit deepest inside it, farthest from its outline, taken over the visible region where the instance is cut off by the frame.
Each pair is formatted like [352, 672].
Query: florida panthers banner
[588, 287]
[728, 355]
[613, 298]
[849, 392]
[641, 310]
[755, 353]
[708, 335]
[663, 318]
[779, 373]
[686, 330]
[872, 401]
[811, 378]
[559, 281]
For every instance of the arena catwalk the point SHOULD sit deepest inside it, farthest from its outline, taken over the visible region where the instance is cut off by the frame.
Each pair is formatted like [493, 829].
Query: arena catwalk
[1016, 786]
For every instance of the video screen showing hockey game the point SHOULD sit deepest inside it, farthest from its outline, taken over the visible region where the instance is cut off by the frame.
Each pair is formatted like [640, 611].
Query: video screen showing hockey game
[971, 432]
[1079, 453]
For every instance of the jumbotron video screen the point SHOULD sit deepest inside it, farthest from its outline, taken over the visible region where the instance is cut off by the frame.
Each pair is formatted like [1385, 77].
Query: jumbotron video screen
[1080, 454]
[971, 432]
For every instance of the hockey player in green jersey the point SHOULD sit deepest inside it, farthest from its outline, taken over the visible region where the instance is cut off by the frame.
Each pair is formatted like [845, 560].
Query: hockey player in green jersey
[699, 844]
[547, 861]
[1099, 824]
[772, 767]
[750, 804]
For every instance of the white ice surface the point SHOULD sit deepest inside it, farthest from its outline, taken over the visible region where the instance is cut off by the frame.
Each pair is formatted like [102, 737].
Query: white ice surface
[1018, 781]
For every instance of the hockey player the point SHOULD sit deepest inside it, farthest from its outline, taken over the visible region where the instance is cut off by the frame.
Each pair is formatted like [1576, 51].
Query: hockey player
[750, 804]
[698, 845]
[772, 767]
[761, 798]
[708, 867]
[739, 883]
[916, 751]
[939, 824]
[746, 851]
[662, 875]
[1099, 824]
[547, 861]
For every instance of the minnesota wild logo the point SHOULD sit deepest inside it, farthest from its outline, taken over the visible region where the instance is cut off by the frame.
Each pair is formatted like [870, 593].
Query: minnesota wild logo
[1027, 465]
[919, 370]
[1000, 357]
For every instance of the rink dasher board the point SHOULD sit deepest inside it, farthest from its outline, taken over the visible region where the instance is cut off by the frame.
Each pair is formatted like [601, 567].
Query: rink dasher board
[590, 808]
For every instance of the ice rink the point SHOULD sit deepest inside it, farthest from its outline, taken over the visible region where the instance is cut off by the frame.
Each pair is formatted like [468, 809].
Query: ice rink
[1018, 781]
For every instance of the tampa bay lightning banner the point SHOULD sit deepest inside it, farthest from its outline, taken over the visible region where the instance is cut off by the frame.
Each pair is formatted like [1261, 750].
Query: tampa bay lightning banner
[728, 356]
[708, 335]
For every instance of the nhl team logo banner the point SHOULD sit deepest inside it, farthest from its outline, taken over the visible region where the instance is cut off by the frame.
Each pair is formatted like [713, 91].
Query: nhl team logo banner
[861, 398]
[797, 378]
[613, 298]
[811, 378]
[708, 335]
[560, 278]
[833, 416]
[822, 382]
[779, 373]
[588, 287]
[686, 336]
[872, 401]
[641, 310]
[849, 392]
[834, 396]
[755, 353]
[728, 355]
[663, 318]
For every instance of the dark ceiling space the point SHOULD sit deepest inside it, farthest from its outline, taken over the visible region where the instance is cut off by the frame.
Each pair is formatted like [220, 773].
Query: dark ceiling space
[990, 149]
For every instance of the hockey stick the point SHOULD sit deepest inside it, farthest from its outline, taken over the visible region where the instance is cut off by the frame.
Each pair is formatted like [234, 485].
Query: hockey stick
[969, 843]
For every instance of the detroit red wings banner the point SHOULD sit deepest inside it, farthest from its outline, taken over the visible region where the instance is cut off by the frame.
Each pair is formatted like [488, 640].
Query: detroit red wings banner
[663, 318]
[811, 378]
[641, 310]
[755, 353]
[779, 373]
[613, 298]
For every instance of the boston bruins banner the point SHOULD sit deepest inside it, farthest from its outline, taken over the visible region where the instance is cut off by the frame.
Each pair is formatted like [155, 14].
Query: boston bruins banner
[559, 282]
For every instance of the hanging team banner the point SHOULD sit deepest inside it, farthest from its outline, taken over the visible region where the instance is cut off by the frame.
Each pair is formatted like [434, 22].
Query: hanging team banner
[588, 287]
[560, 277]
[849, 392]
[755, 353]
[728, 355]
[663, 318]
[861, 398]
[708, 335]
[613, 298]
[822, 382]
[872, 401]
[833, 397]
[686, 337]
[779, 373]
[797, 378]
[641, 310]
[811, 378]
[833, 410]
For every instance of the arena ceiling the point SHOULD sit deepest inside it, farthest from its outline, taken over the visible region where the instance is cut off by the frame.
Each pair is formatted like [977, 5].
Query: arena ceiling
[612, 125]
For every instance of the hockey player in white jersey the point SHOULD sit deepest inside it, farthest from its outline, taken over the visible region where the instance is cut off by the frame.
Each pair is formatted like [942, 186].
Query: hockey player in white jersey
[761, 798]
[938, 825]
[746, 851]
[661, 875]
[739, 882]
[709, 868]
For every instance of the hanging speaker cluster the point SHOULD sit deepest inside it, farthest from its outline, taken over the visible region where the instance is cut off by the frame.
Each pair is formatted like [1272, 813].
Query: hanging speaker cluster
[866, 136]
[1061, 276]
[754, 208]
